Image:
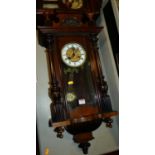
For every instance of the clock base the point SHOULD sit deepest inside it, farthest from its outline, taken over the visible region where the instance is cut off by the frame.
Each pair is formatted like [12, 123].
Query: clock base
[83, 139]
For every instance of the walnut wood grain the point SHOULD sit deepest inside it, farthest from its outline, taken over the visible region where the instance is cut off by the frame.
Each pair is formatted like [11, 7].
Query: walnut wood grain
[84, 119]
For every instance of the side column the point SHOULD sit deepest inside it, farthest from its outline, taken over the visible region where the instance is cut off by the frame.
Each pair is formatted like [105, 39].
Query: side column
[58, 110]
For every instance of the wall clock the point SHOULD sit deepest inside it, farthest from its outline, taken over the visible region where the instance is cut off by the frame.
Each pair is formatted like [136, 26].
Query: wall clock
[80, 102]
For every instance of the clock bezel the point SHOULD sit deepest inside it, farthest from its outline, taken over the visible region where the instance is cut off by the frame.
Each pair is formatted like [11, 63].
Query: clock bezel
[83, 49]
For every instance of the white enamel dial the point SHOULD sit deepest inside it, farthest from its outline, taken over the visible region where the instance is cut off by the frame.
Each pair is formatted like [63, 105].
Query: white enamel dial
[73, 54]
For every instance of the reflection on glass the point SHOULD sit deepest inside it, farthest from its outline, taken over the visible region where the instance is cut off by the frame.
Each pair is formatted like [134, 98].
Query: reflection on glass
[79, 85]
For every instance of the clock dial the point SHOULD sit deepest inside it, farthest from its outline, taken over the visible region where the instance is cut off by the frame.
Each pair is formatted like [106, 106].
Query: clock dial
[73, 54]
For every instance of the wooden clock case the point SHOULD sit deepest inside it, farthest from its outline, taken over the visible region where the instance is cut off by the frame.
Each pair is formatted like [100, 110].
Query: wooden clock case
[57, 27]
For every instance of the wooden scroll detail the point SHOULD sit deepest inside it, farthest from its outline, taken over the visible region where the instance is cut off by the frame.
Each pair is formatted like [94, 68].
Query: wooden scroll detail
[59, 131]
[105, 98]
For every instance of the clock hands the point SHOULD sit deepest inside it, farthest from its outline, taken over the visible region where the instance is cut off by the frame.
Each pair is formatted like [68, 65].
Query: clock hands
[73, 54]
